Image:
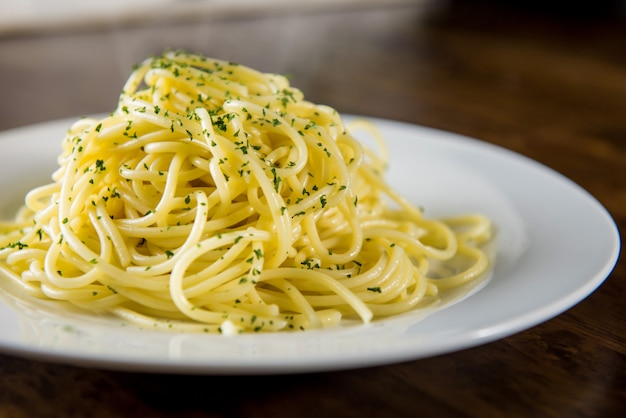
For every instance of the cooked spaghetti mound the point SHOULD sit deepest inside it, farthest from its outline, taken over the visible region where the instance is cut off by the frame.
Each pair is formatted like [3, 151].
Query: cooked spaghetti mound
[215, 198]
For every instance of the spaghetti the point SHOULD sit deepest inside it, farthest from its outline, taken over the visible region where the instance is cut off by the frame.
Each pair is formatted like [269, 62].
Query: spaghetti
[215, 198]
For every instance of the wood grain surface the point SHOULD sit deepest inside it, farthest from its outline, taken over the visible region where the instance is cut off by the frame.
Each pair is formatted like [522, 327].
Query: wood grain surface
[549, 83]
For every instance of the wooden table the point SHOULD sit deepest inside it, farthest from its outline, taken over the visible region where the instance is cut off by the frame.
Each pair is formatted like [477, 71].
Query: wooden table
[548, 84]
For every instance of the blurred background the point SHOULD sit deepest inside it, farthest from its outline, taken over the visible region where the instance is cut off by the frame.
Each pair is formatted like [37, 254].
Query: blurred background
[69, 58]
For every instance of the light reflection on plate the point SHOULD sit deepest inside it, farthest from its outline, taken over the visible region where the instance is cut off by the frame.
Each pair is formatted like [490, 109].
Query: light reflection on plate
[555, 245]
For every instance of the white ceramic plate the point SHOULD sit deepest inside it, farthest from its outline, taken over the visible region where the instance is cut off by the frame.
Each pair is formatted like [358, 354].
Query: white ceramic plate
[556, 244]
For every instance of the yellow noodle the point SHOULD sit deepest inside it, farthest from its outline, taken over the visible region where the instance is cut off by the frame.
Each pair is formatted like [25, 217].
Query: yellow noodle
[215, 198]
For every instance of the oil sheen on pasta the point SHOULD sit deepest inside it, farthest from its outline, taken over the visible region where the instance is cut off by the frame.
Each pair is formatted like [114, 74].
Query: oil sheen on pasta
[215, 198]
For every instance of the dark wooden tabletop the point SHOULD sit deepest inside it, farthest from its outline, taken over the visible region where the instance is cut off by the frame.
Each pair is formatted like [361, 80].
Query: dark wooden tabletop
[549, 83]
